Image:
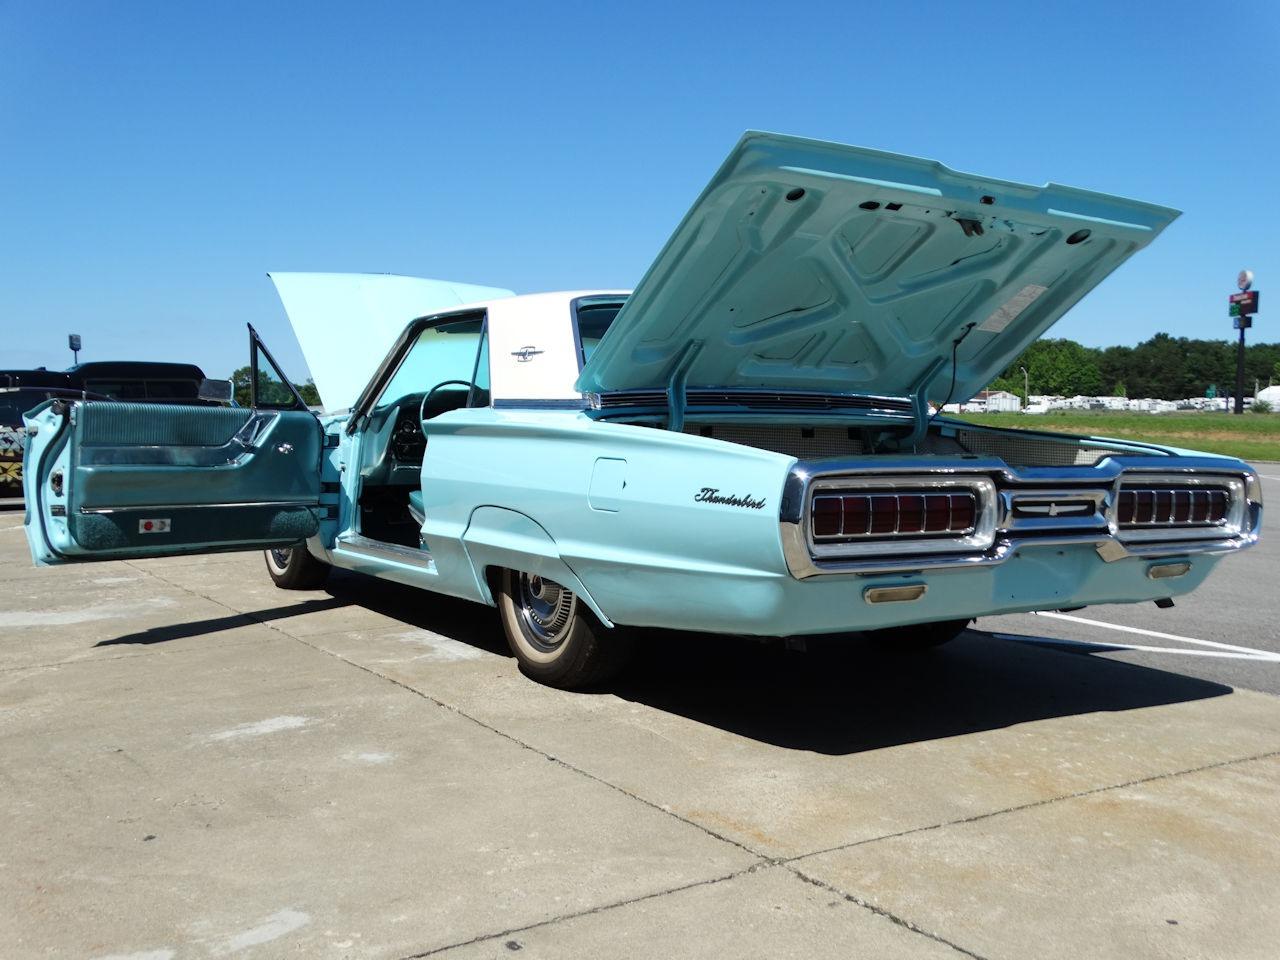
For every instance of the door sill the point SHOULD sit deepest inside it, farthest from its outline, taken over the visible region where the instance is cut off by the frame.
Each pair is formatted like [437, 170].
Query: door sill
[380, 550]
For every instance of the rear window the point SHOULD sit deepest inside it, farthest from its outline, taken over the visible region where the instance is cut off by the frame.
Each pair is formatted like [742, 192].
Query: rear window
[593, 319]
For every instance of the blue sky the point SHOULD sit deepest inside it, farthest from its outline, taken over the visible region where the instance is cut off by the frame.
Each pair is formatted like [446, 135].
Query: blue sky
[158, 160]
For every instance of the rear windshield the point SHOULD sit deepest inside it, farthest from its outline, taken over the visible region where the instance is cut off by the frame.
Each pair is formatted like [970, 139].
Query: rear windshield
[593, 318]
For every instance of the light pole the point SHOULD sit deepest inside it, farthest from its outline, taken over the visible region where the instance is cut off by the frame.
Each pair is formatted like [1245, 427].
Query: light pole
[1026, 388]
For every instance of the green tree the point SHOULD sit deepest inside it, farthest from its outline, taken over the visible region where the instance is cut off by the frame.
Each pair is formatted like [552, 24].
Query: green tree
[310, 395]
[1060, 367]
[270, 390]
[1164, 367]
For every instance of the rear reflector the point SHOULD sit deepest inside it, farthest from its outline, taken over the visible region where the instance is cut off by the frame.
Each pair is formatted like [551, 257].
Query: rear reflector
[904, 594]
[1168, 571]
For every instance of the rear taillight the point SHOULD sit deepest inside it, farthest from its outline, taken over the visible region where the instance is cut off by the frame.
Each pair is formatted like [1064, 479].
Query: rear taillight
[1152, 508]
[859, 516]
[1140, 507]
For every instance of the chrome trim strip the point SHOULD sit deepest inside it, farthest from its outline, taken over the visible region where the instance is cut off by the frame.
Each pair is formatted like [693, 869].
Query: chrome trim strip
[1052, 508]
[380, 550]
[199, 506]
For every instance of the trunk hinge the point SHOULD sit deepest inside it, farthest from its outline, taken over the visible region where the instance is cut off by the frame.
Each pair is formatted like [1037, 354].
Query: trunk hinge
[920, 392]
[677, 383]
[920, 402]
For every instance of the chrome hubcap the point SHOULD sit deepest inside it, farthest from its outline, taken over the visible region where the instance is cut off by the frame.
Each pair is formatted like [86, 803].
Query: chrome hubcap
[280, 556]
[546, 610]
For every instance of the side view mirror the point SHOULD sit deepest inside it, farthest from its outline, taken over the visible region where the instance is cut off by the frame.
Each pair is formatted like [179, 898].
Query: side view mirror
[216, 390]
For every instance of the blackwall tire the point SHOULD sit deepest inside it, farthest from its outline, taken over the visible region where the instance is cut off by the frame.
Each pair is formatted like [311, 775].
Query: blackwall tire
[294, 568]
[556, 639]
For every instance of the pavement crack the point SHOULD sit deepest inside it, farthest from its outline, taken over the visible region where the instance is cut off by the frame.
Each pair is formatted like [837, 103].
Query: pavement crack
[1139, 781]
[602, 908]
[760, 857]
[882, 912]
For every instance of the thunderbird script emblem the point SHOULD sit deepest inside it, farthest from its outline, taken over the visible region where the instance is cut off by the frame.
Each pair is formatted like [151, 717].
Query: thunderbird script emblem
[525, 354]
[713, 495]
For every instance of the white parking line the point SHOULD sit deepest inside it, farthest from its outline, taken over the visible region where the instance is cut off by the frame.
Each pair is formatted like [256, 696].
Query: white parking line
[1223, 650]
[1265, 476]
[1259, 655]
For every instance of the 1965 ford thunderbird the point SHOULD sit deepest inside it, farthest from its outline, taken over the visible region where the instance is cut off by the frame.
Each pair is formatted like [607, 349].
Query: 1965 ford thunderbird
[744, 444]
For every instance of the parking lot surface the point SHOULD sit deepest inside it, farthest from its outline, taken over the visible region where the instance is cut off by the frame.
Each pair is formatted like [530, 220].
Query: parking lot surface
[195, 764]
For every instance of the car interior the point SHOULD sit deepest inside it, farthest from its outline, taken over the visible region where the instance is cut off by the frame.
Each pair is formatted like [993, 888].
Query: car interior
[446, 368]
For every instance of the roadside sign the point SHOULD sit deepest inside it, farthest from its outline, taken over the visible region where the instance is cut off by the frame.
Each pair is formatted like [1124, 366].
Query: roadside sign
[73, 341]
[1245, 279]
[1242, 304]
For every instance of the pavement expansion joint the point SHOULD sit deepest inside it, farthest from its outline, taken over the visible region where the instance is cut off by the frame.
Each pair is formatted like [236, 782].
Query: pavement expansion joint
[602, 908]
[882, 912]
[763, 861]
[760, 857]
[1168, 775]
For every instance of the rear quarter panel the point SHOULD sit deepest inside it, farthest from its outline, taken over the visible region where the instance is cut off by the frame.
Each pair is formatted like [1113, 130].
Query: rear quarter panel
[622, 504]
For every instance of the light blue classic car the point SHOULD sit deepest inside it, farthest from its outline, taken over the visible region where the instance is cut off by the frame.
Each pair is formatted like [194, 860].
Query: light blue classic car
[745, 444]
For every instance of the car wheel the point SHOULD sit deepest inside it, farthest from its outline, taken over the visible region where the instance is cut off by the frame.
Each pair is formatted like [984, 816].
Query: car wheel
[294, 568]
[919, 636]
[557, 640]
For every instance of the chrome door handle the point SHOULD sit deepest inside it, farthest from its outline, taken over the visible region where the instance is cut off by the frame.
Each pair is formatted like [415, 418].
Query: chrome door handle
[285, 448]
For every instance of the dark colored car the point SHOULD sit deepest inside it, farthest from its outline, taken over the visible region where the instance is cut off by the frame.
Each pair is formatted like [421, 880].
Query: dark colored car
[139, 381]
[132, 380]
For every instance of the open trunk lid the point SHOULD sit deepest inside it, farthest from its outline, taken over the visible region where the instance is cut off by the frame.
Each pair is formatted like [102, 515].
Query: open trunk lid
[346, 322]
[814, 266]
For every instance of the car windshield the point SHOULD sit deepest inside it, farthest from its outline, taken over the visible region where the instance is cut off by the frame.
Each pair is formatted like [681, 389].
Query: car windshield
[593, 318]
[441, 353]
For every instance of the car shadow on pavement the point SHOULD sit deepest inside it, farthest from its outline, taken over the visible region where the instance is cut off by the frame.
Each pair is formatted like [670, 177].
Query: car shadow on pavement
[199, 628]
[841, 695]
[462, 620]
[846, 695]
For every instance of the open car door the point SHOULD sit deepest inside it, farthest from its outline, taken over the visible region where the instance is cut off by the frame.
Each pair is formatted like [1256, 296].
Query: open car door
[106, 480]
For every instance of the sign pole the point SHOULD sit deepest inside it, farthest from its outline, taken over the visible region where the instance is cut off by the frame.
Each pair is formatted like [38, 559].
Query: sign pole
[1242, 306]
[1240, 372]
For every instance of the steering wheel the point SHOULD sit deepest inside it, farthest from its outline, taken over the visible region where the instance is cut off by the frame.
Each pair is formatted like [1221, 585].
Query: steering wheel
[422, 407]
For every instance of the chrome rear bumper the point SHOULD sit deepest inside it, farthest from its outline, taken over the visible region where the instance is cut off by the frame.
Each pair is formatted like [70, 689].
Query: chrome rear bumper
[1091, 491]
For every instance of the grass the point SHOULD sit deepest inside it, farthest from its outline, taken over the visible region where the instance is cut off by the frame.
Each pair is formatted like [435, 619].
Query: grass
[1252, 436]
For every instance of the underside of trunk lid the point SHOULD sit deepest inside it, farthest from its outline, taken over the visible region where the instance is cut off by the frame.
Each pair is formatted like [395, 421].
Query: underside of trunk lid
[814, 266]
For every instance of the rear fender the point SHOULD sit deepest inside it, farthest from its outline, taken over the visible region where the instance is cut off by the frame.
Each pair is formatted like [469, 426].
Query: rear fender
[498, 537]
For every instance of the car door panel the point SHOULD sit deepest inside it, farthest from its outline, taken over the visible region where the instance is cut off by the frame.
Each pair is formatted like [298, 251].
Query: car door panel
[137, 480]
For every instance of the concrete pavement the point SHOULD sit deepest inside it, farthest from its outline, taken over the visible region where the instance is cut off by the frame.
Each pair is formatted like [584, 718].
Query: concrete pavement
[195, 764]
